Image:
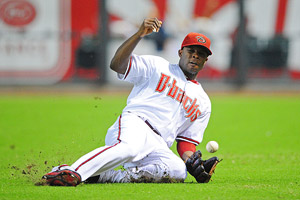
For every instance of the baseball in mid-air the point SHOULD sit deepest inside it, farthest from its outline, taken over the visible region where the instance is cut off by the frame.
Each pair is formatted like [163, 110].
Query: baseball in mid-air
[212, 146]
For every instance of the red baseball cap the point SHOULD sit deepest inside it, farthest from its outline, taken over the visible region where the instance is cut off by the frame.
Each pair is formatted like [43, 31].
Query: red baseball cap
[197, 39]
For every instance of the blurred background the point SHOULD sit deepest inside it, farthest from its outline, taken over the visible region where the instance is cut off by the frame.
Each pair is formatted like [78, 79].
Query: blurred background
[255, 43]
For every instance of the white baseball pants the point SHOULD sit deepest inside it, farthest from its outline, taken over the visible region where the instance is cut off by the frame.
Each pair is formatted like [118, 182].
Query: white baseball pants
[132, 143]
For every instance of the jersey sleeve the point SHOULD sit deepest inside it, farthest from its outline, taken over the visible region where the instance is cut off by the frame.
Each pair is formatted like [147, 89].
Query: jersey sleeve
[139, 69]
[195, 131]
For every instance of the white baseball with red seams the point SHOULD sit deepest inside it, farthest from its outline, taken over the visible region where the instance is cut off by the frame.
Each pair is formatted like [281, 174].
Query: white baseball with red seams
[212, 146]
[175, 109]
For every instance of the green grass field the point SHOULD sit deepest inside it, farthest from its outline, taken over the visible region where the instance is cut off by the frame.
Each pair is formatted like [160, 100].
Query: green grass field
[259, 138]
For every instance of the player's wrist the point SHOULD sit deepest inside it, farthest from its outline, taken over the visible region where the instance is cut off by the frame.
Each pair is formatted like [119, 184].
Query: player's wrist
[186, 155]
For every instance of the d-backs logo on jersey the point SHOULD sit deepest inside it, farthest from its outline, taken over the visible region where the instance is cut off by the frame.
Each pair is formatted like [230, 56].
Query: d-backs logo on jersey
[178, 94]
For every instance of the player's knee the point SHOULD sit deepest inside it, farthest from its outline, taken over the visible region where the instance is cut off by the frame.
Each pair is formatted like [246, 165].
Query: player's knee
[129, 151]
[178, 171]
[181, 171]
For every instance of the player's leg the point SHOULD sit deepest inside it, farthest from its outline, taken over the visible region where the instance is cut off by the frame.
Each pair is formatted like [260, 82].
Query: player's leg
[150, 173]
[161, 165]
[125, 142]
[100, 159]
[155, 171]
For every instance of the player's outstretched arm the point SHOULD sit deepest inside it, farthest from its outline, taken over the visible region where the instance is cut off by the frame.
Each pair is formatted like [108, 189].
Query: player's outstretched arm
[121, 58]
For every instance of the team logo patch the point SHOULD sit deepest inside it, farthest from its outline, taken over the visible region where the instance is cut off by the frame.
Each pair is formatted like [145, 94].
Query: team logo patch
[200, 39]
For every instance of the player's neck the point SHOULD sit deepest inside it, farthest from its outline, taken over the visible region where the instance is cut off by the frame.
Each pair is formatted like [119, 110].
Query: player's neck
[189, 76]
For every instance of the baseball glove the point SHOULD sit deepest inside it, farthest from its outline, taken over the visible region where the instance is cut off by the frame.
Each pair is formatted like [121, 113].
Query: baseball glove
[202, 170]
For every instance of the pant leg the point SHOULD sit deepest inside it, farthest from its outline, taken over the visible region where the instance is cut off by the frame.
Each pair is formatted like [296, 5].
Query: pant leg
[128, 140]
[161, 165]
[145, 174]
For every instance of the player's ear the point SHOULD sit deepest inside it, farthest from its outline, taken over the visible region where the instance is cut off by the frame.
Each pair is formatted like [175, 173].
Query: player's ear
[205, 61]
[179, 52]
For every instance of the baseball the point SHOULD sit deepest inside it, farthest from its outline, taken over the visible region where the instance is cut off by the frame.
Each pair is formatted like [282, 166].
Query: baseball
[155, 30]
[212, 146]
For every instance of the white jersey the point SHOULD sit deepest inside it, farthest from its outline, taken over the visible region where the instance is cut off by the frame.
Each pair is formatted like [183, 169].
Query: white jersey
[177, 108]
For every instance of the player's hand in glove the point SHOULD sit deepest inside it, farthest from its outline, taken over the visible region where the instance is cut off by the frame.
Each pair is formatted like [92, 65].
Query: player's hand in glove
[202, 170]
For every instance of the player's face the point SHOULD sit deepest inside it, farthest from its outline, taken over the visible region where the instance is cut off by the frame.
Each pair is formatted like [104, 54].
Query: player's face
[192, 60]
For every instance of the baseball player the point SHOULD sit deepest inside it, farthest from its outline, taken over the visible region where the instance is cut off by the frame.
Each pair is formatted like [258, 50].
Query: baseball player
[165, 104]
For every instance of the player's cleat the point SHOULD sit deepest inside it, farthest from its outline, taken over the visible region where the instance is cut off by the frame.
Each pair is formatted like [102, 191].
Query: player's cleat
[62, 178]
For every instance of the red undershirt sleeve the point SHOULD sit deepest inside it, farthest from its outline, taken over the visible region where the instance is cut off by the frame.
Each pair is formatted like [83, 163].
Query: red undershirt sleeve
[183, 146]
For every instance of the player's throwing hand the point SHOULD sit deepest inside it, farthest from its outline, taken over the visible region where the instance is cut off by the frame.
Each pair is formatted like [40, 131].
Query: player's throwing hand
[149, 25]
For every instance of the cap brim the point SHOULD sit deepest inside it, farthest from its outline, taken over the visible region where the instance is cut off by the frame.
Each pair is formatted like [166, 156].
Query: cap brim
[204, 47]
